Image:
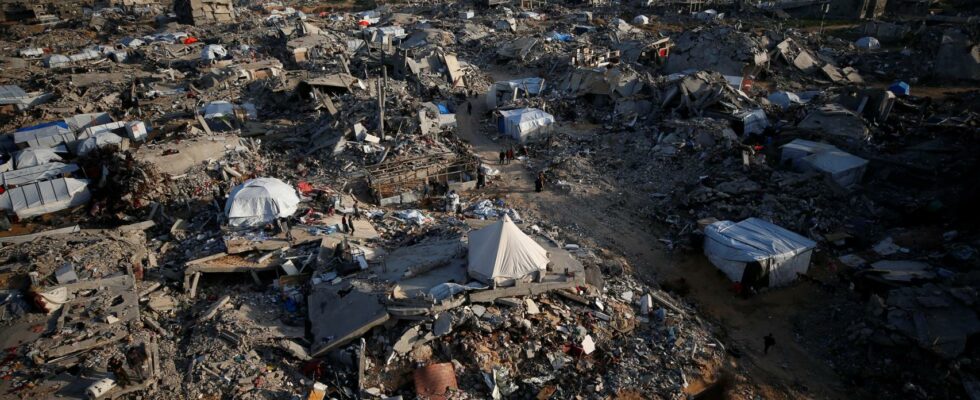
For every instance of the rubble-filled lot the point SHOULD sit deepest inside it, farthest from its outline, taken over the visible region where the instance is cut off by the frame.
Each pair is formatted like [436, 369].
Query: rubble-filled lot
[209, 199]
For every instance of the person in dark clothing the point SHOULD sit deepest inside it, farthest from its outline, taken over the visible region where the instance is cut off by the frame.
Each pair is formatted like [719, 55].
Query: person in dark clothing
[350, 225]
[357, 211]
[502, 156]
[116, 367]
[768, 341]
[343, 223]
[510, 155]
[136, 358]
[539, 182]
[481, 180]
[469, 107]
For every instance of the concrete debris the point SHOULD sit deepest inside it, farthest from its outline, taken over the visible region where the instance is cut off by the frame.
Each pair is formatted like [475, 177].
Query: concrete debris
[219, 199]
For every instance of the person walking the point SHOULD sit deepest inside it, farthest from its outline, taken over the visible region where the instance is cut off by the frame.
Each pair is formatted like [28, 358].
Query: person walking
[481, 179]
[357, 211]
[350, 225]
[539, 182]
[510, 155]
[469, 107]
[343, 223]
[503, 155]
[768, 341]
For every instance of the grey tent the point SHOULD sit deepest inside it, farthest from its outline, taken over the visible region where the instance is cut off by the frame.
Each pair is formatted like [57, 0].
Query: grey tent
[32, 157]
[755, 250]
[500, 253]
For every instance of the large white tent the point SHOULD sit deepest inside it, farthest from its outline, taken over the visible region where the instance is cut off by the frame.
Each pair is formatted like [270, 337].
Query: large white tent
[756, 251]
[524, 122]
[501, 253]
[260, 201]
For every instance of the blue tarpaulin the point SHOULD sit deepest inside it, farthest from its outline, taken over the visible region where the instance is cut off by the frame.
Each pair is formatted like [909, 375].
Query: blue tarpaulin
[61, 124]
[443, 109]
[561, 37]
[900, 88]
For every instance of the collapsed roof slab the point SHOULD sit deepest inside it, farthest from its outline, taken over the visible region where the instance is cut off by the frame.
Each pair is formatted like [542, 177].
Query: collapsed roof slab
[341, 313]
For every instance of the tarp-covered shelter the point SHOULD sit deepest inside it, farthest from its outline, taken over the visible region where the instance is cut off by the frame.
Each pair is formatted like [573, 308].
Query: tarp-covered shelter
[260, 201]
[501, 253]
[524, 122]
[32, 157]
[45, 197]
[505, 91]
[843, 168]
[22, 176]
[757, 253]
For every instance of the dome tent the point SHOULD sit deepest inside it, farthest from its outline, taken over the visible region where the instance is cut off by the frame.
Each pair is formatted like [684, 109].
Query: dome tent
[260, 201]
[500, 253]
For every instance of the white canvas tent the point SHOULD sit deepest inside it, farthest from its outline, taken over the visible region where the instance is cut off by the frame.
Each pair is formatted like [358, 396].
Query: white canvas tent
[27, 175]
[757, 252]
[97, 141]
[45, 197]
[524, 122]
[501, 253]
[32, 157]
[260, 201]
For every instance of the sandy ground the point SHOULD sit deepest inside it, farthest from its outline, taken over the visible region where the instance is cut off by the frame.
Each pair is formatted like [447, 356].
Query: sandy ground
[789, 371]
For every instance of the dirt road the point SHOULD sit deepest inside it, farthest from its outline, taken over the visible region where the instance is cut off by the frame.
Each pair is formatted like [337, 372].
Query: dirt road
[788, 371]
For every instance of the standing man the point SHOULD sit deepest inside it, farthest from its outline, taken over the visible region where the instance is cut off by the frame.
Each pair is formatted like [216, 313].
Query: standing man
[343, 223]
[469, 107]
[503, 155]
[539, 182]
[481, 179]
[357, 211]
[510, 155]
[768, 341]
[350, 225]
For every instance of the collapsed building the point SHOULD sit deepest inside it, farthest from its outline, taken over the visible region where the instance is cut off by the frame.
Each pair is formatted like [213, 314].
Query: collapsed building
[495, 200]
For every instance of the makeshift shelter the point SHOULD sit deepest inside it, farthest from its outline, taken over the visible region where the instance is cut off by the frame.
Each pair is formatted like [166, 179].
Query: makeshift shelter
[843, 168]
[97, 141]
[260, 201]
[32, 157]
[757, 253]
[501, 253]
[506, 91]
[900, 88]
[524, 122]
[45, 197]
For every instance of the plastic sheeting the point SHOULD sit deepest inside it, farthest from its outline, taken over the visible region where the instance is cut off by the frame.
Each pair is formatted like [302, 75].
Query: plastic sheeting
[213, 52]
[524, 122]
[500, 253]
[868, 43]
[45, 197]
[260, 201]
[97, 141]
[32, 157]
[782, 254]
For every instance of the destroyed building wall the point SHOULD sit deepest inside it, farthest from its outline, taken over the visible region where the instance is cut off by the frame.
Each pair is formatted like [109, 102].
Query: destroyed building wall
[196, 12]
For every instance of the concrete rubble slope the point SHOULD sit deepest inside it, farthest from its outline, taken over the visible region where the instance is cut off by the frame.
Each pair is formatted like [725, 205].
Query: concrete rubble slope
[489, 199]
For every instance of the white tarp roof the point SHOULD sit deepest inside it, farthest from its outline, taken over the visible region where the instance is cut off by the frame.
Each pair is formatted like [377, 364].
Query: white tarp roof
[531, 86]
[260, 201]
[44, 137]
[782, 253]
[45, 197]
[501, 252]
[97, 141]
[834, 161]
[33, 174]
[32, 157]
[523, 122]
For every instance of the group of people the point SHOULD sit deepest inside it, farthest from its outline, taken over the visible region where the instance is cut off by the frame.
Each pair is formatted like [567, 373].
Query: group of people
[507, 156]
[347, 220]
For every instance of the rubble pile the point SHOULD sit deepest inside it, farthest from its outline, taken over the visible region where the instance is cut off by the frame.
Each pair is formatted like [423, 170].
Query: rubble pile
[217, 199]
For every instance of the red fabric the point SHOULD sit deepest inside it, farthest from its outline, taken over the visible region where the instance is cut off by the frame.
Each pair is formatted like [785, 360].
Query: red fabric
[364, 23]
[190, 40]
[304, 187]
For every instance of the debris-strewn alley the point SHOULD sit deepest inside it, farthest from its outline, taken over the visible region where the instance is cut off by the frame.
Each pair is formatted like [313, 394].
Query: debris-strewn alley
[216, 199]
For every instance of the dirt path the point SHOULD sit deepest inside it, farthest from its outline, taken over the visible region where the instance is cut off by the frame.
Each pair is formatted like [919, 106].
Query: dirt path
[788, 371]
